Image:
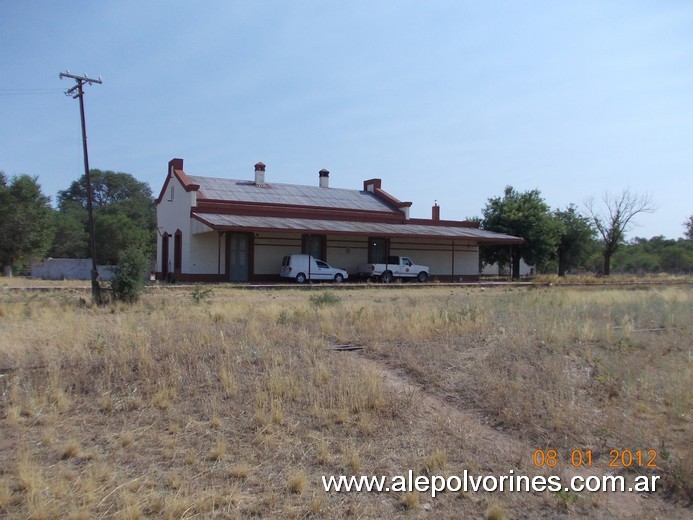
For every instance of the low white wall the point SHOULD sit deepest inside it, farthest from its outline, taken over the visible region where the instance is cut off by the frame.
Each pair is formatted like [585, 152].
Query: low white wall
[496, 270]
[69, 269]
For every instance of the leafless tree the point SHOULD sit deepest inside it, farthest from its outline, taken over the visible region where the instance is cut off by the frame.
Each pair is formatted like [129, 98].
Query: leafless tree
[689, 228]
[614, 219]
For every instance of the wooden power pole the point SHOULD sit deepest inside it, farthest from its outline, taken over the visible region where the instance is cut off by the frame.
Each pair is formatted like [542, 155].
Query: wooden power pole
[78, 92]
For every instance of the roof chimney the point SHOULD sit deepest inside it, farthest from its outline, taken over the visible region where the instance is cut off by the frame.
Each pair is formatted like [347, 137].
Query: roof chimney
[175, 164]
[324, 178]
[371, 185]
[260, 174]
[436, 211]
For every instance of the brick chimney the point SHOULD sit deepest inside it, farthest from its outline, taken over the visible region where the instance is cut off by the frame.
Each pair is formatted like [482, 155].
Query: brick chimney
[260, 174]
[436, 211]
[324, 178]
[371, 185]
[175, 164]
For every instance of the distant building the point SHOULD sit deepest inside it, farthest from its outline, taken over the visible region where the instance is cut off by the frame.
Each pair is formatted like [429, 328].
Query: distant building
[213, 229]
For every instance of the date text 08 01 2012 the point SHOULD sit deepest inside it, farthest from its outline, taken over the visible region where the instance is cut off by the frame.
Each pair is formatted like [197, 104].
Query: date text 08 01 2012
[617, 458]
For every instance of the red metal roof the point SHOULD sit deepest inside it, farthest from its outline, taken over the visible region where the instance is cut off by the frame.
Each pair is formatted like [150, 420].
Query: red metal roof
[294, 194]
[254, 223]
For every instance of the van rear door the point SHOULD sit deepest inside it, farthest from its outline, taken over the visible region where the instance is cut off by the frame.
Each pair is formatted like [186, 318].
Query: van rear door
[286, 268]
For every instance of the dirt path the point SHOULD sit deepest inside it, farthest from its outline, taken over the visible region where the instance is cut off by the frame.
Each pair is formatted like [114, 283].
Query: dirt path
[501, 449]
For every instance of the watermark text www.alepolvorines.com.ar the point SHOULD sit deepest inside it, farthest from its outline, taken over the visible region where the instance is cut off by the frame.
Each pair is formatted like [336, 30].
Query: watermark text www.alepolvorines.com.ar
[468, 482]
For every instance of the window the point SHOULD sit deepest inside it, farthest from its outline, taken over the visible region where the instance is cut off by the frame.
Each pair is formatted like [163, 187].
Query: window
[378, 249]
[170, 199]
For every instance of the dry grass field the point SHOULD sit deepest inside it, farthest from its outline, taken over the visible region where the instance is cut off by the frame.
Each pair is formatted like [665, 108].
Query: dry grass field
[232, 404]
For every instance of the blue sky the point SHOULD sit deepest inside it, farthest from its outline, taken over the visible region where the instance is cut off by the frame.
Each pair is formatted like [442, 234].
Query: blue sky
[442, 100]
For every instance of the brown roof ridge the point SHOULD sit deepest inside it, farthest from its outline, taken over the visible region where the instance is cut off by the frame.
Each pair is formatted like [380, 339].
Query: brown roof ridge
[186, 180]
[251, 182]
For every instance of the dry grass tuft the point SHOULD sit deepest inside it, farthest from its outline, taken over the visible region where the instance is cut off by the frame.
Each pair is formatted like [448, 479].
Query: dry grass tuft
[29, 473]
[495, 512]
[58, 398]
[5, 493]
[297, 482]
[411, 500]
[215, 422]
[435, 462]
[47, 437]
[126, 439]
[13, 415]
[71, 450]
[318, 504]
[322, 452]
[163, 398]
[106, 403]
[228, 383]
[240, 471]
[173, 481]
[351, 459]
[218, 451]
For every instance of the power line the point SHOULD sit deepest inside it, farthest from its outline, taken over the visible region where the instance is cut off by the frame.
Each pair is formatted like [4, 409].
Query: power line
[29, 91]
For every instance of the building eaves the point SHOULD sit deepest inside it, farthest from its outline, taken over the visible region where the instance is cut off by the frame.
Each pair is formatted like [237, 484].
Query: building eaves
[221, 222]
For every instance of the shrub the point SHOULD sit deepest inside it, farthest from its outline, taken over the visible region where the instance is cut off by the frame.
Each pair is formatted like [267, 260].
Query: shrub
[324, 299]
[200, 295]
[128, 282]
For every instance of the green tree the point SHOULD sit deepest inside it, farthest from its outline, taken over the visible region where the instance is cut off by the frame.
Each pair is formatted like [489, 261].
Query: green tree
[119, 231]
[689, 228]
[524, 215]
[107, 188]
[124, 216]
[71, 232]
[576, 240]
[677, 258]
[614, 220]
[657, 254]
[26, 221]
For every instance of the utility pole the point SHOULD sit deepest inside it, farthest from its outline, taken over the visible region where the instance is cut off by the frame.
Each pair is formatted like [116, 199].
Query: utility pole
[78, 92]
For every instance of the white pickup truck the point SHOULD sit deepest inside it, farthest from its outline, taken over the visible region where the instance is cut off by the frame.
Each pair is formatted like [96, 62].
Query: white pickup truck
[395, 267]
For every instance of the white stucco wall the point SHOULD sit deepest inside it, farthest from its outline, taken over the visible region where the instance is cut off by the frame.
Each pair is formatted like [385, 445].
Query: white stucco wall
[347, 252]
[207, 252]
[173, 214]
[343, 252]
[270, 248]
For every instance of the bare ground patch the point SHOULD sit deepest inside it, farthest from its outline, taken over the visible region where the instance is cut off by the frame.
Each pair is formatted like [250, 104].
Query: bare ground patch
[504, 451]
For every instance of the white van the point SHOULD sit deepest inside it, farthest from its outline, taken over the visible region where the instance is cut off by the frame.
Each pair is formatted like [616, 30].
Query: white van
[305, 267]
